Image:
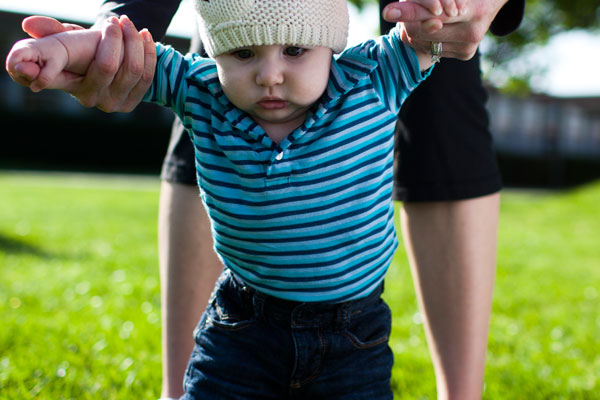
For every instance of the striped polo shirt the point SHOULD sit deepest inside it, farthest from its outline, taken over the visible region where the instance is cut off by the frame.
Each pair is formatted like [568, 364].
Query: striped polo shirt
[311, 218]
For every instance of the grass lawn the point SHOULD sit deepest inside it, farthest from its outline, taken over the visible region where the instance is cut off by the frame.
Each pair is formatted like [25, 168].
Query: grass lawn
[80, 309]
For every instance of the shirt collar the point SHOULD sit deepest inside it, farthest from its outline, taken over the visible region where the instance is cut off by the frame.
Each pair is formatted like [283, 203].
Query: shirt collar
[347, 71]
[206, 72]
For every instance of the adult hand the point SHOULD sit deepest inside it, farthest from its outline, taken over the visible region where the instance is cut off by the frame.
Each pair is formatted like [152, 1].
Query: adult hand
[460, 34]
[111, 84]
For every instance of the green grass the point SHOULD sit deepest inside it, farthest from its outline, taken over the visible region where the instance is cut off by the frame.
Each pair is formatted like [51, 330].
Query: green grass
[80, 310]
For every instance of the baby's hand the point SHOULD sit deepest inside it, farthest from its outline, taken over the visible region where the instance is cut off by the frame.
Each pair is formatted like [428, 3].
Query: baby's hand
[431, 14]
[451, 8]
[36, 63]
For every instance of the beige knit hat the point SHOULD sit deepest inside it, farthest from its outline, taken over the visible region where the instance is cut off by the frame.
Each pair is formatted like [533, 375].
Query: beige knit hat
[226, 25]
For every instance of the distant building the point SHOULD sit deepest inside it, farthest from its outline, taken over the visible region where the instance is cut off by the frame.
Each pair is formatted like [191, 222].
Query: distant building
[544, 140]
[540, 124]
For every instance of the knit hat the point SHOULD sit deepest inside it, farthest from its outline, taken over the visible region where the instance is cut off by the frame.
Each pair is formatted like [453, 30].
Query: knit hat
[226, 25]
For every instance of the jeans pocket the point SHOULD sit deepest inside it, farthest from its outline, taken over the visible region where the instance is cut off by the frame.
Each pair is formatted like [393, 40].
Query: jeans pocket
[230, 309]
[369, 327]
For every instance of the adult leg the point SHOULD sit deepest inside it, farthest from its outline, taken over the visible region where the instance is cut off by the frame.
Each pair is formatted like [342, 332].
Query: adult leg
[189, 267]
[452, 252]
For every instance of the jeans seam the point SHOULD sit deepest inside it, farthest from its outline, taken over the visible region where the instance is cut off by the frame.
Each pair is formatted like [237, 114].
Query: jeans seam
[297, 384]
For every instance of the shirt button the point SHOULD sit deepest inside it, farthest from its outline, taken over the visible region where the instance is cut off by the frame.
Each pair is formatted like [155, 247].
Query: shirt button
[279, 156]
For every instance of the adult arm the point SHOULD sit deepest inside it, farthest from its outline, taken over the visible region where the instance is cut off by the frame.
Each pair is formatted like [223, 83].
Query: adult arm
[508, 18]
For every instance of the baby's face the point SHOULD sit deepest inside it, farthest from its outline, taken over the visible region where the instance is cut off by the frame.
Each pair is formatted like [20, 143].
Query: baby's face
[275, 84]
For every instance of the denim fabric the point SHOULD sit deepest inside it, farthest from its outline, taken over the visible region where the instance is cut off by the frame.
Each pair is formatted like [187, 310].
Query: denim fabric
[253, 346]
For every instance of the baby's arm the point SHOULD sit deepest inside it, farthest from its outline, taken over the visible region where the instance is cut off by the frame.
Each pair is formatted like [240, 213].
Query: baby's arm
[38, 63]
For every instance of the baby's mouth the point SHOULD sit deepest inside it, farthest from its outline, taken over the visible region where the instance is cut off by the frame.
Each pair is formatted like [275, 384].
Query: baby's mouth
[272, 103]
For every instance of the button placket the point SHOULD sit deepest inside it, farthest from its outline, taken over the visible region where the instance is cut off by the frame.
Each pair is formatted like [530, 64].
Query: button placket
[278, 170]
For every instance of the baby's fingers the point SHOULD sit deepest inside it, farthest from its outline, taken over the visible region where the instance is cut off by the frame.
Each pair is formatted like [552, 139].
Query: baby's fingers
[411, 11]
[19, 64]
[47, 76]
[436, 7]
[24, 72]
[450, 7]
[454, 8]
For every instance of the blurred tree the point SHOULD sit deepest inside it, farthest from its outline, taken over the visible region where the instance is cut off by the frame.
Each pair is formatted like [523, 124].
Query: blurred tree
[546, 18]
[543, 20]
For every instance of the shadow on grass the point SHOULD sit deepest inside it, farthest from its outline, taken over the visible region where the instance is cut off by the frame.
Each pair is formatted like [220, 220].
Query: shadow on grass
[12, 245]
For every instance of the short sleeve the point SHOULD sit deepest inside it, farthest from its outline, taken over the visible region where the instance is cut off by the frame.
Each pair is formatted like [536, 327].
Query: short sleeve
[509, 18]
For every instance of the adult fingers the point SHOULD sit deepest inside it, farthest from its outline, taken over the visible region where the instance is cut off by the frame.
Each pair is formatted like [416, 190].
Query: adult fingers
[430, 26]
[131, 69]
[453, 49]
[103, 69]
[67, 81]
[137, 94]
[448, 32]
[38, 26]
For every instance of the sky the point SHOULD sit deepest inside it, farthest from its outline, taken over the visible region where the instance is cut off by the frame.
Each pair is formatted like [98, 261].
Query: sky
[571, 61]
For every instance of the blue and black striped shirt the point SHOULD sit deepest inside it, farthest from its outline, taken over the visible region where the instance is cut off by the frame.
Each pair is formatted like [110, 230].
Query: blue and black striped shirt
[311, 218]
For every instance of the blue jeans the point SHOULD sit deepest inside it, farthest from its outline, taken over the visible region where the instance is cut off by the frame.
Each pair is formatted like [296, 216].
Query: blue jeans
[253, 346]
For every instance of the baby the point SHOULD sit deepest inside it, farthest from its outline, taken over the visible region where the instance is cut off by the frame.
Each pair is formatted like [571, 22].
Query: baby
[293, 136]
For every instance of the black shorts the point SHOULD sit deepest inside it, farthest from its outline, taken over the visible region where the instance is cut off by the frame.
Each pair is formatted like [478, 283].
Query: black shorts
[443, 146]
[178, 165]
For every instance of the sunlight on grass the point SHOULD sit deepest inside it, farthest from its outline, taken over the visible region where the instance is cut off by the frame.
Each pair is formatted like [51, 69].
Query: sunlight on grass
[80, 296]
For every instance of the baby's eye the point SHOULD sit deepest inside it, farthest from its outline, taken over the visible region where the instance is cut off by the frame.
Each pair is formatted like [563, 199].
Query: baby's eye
[294, 51]
[243, 54]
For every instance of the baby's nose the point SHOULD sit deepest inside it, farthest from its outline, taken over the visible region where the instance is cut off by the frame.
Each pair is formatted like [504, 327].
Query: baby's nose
[270, 74]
